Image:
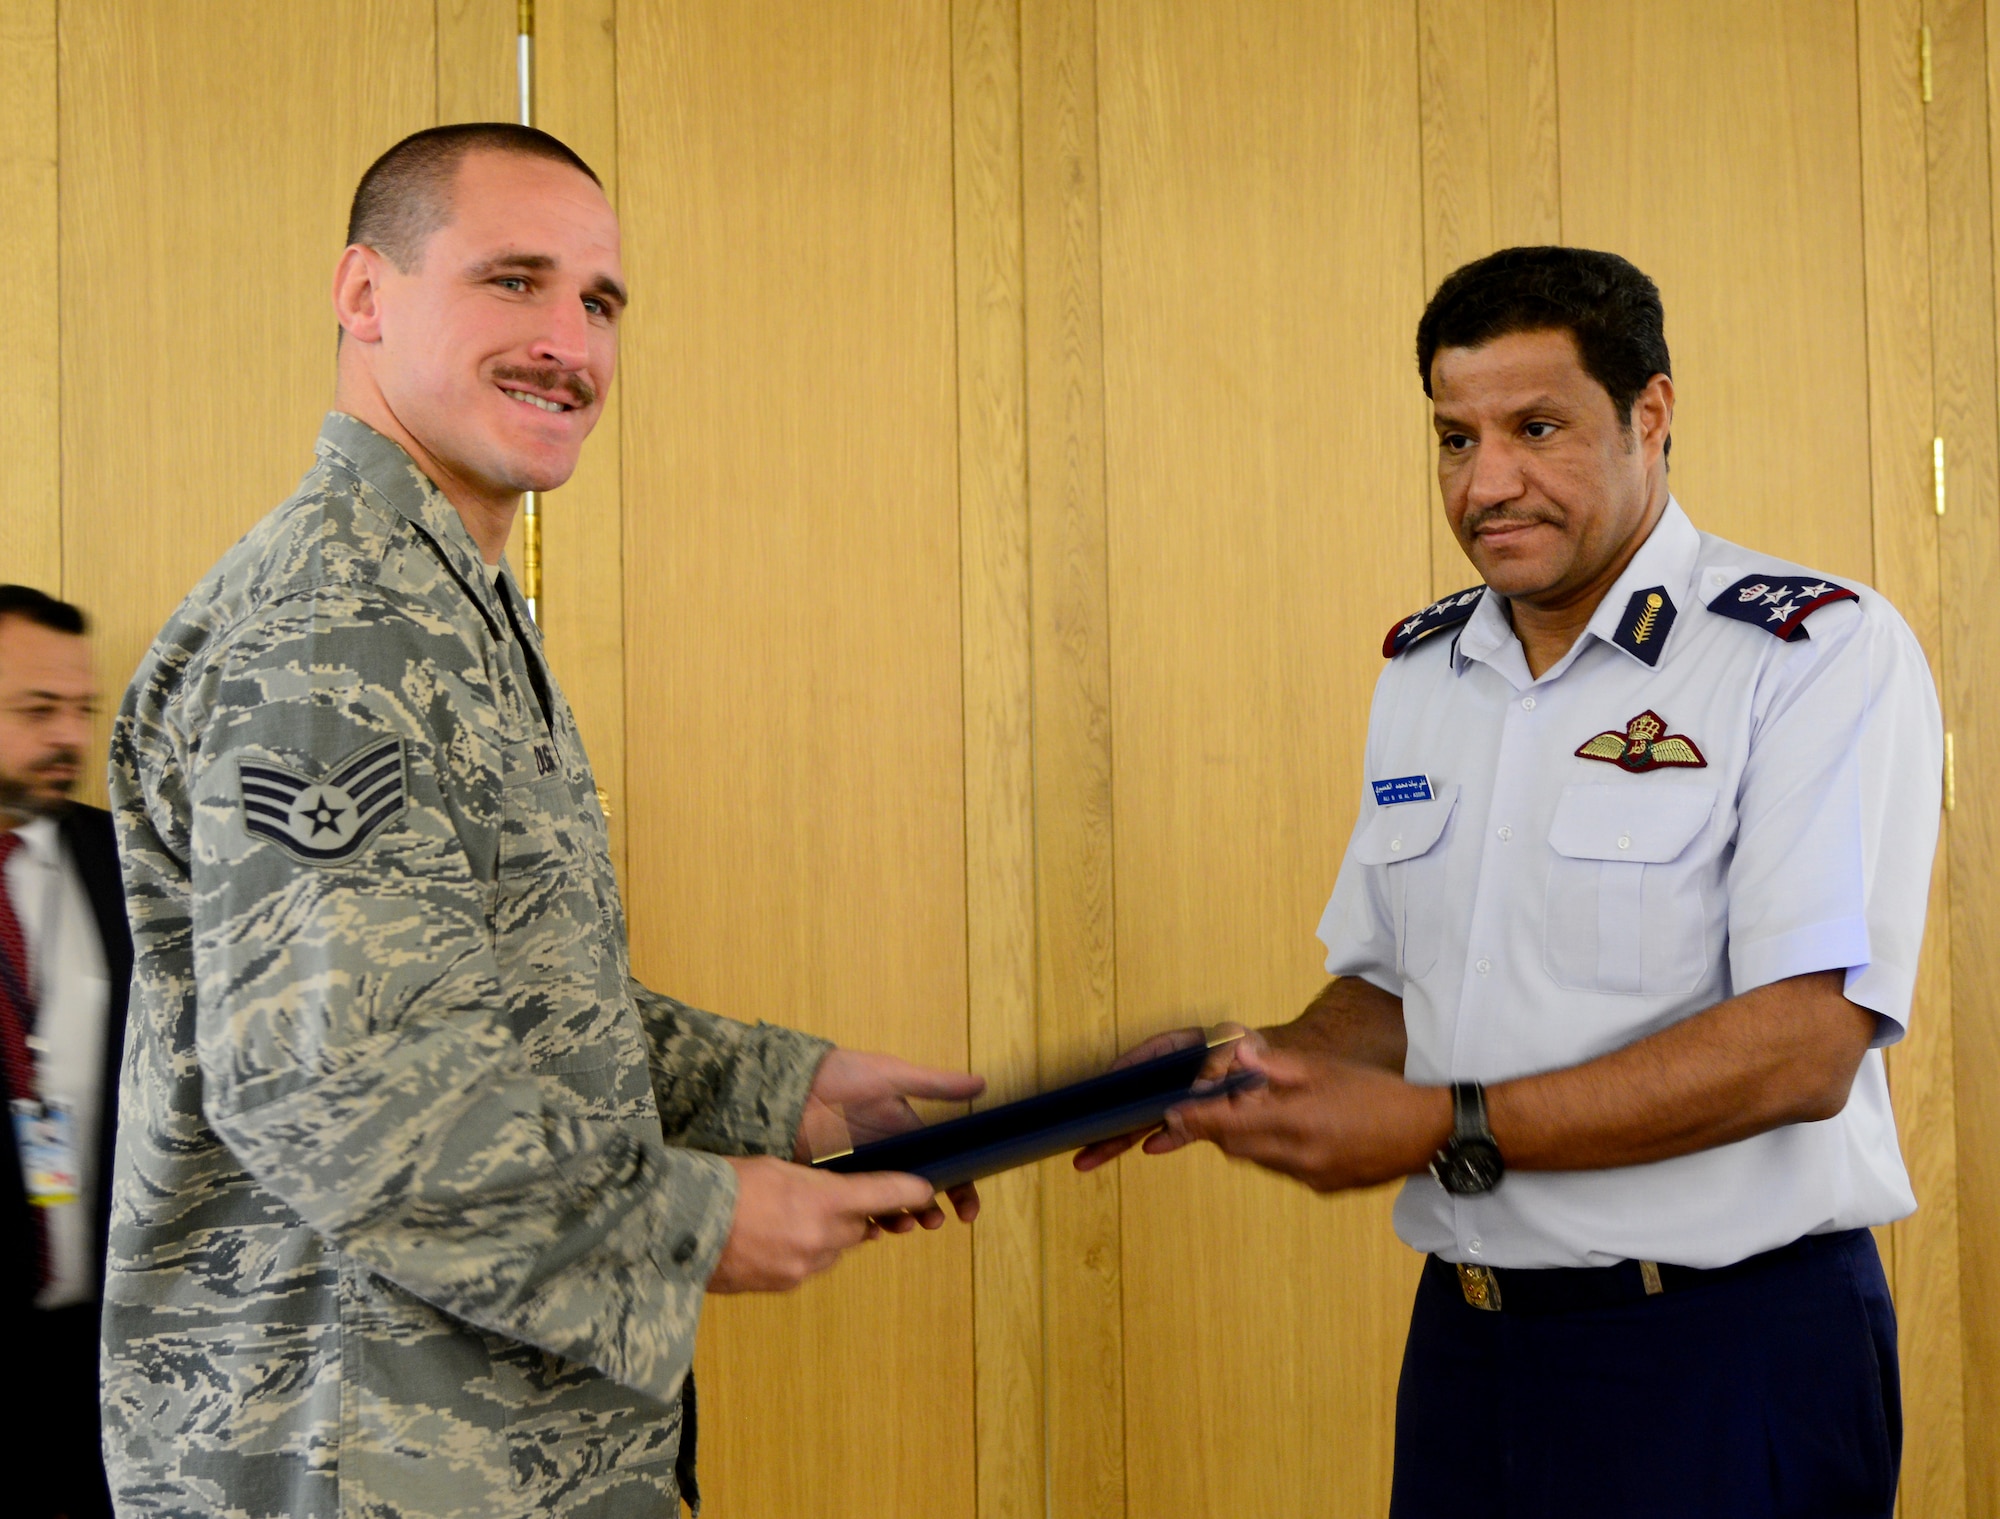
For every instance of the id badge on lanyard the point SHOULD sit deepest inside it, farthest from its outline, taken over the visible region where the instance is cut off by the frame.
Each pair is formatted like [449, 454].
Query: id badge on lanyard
[45, 1139]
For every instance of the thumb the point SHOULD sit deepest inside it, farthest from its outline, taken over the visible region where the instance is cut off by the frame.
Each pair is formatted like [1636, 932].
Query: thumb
[929, 1081]
[1281, 1068]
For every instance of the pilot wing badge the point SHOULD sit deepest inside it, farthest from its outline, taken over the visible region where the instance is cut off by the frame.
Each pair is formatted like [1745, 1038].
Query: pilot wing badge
[1644, 745]
[1435, 618]
[325, 820]
[1779, 604]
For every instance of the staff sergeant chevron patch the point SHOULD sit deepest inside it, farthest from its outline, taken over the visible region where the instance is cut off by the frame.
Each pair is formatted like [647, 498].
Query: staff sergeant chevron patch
[1448, 613]
[325, 821]
[1779, 604]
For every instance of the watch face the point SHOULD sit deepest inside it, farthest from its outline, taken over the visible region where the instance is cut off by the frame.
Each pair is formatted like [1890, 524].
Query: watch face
[1468, 1167]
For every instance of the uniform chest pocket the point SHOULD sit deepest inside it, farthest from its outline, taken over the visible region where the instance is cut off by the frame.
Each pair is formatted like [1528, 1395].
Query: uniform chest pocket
[1625, 909]
[1405, 838]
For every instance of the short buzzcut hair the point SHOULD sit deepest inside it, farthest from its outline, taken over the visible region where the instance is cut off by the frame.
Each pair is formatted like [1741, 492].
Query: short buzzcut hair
[406, 194]
[42, 609]
[1608, 306]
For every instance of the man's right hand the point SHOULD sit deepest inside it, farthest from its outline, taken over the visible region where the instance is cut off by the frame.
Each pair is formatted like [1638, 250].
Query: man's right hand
[793, 1222]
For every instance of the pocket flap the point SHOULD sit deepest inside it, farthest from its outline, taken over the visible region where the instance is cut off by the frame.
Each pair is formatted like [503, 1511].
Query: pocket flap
[1403, 830]
[1646, 825]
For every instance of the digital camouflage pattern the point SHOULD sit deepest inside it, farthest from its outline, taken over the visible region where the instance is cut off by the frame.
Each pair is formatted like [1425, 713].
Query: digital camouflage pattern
[416, 1190]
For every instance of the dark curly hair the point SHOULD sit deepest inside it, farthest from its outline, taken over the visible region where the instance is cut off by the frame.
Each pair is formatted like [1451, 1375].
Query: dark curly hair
[1609, 307]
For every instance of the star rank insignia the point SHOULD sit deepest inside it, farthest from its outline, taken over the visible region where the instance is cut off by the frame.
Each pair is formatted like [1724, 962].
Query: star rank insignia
[1779, 604]
[323, 821]
[1435, 618]
[1644, 745]
[1642, 631]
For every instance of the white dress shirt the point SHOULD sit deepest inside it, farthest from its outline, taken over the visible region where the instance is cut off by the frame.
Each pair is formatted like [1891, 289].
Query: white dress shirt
[1544, 908]
[72, 992]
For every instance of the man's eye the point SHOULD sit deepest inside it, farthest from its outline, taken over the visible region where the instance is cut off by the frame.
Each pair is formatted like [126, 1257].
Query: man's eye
[1455, 442]
[595, 307]
[512, 282]
[1540, 430]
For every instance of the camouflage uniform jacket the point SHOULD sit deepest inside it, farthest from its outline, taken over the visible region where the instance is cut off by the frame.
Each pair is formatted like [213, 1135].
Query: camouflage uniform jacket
[411, 1213]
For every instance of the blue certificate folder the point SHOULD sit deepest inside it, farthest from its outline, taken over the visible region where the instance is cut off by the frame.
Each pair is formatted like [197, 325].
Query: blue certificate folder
[1019, 1133]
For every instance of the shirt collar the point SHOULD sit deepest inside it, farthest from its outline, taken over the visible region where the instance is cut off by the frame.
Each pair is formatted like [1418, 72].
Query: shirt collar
[1665, 559]
[40, 841]
[384, 466]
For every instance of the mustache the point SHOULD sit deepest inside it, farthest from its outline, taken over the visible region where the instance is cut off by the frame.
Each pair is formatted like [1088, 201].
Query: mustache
[1474, 521]
[72, 758]
[575, 388]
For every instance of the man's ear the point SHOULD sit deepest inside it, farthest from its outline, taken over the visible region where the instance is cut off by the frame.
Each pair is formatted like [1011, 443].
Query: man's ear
[1653, 412]
[357, 293]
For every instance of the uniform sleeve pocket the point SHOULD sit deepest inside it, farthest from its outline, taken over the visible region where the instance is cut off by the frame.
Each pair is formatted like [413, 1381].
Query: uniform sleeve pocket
[1625, 909]
[1404, 838]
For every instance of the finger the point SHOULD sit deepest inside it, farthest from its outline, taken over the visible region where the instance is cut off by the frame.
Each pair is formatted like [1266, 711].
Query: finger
[964, 1201]
[876, 1194]
[1090, 1157]
[874, 1231]
[931, 1217]
[1224, 1040]
[1158, 1045]
[893, 1223]
[909, 1080]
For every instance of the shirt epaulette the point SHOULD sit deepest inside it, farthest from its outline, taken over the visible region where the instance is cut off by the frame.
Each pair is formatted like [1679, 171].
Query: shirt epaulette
[1448, 613]
[1779, 604]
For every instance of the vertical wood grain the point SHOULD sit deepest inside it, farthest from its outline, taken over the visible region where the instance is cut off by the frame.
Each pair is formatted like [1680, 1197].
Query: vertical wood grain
[1959, 124]
[1266, 499]
[1085, 1417]
[1922, 1254]
[1010, 1385]
[30, 407]
[1715, 143]
[209, 154]
[1492, 175]
[796, 769]
[582, 608]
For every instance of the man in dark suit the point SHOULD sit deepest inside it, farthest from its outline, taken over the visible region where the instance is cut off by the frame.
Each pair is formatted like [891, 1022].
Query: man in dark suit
[65, 967]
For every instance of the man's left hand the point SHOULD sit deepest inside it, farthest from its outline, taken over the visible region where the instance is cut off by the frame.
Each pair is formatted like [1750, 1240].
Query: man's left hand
[1329, 1123]
[870, 1096]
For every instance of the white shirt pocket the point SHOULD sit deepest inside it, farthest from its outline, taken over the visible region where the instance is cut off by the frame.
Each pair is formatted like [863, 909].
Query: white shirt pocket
[1625, 910]
[1404, 837]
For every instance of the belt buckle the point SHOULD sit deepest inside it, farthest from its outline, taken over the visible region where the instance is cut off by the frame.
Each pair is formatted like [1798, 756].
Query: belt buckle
[1480, 1286]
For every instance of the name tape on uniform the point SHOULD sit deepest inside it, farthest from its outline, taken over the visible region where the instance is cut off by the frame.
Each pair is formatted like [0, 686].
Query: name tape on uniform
[1401, 788]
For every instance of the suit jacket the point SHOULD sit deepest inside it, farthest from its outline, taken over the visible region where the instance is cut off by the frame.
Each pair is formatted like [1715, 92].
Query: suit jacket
[86, 834]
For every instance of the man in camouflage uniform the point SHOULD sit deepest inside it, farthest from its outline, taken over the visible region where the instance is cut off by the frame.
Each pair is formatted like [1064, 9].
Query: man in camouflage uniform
[417, 1191]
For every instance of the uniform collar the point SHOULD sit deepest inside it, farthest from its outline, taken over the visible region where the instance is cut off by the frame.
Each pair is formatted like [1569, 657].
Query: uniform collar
[393, 474]
[1665, 561]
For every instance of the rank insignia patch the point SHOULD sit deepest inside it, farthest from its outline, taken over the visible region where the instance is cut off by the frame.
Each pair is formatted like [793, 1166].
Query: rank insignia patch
[1642, 631]
[1436, 617]
[1644, 745]
[1779, 604]
[325, 821]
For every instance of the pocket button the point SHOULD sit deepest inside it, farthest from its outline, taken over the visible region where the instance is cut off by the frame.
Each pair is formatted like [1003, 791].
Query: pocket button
[1624, 841]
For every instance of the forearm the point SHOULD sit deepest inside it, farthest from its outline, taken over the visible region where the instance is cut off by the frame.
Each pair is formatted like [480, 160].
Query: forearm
[1782, 1054]
[1351, 1020]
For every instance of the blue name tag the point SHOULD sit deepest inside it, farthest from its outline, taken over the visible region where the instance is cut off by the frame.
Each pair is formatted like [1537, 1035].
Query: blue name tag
[1402, 788]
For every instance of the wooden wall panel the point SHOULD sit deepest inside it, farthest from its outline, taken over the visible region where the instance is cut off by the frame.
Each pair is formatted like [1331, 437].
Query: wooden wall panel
[1267, 491]
[30, 456]
[1492, 177]
[197, 339]
[477, 77]
[793, 692]
[1010, 1389]
[1087, 1453]
[1749, 217]
[582, 609]
[1963, 201]
[1922, 1251]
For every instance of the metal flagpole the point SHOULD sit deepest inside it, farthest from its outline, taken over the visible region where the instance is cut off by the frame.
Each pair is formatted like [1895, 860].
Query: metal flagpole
[531, 507]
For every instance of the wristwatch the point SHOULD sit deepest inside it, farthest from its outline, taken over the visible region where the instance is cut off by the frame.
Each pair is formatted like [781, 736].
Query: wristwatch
[1469, 1165]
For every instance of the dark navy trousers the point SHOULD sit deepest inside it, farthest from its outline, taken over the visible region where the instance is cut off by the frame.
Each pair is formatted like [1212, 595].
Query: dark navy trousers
[1770, 1393]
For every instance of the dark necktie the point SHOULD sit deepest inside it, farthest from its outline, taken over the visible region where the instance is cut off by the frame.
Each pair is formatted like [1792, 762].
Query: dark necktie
[17, 1016]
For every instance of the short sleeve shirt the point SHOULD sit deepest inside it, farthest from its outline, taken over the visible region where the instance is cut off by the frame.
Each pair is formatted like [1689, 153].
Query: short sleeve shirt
[1547, 870]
